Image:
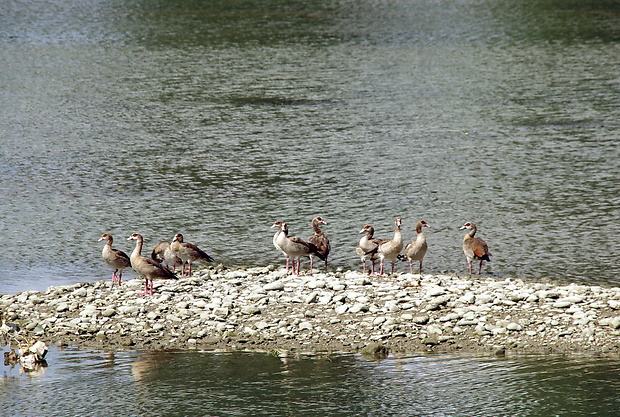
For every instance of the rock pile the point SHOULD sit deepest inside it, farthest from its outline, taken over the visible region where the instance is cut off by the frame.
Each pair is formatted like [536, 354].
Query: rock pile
[266, 309]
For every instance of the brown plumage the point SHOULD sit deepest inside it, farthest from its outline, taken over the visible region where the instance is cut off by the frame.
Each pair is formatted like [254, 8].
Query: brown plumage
[295, 248]
[416, 249]
[164, 255]
[319, 240]
[365, 248]
[475, 248]
[147, 267]
[188, 253]
[116, 259]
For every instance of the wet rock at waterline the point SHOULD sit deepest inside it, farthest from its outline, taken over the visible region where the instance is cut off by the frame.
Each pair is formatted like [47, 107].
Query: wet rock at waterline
[264, 309]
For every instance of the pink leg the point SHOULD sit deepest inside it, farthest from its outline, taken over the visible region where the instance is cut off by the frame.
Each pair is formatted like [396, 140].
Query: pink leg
[381, 268]
[363, 267]
[146, 287]
[410, 267]
[372, 268]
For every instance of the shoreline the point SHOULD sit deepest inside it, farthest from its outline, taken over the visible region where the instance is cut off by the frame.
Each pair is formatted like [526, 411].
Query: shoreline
[264, 309]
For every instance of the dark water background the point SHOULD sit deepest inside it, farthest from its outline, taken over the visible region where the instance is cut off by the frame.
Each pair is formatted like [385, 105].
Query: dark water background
[216, 118]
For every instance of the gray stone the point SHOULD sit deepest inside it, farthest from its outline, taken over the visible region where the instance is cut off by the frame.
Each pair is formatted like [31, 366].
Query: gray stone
[436, 303]
[435, 291]
[223, 312]
[484, 298]
[337, 286]
[62, 307]
[80, 292]
[274, 286]
[250, 310]
[305, 325]
[469, 298]
[420, 319]
[312, 298]
[514, 327]
[357, 308]
[341, 309]
[128, 310]
[518, 296]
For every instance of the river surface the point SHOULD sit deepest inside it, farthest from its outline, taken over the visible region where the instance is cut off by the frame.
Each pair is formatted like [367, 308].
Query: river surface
[217, 118]
[91, 383]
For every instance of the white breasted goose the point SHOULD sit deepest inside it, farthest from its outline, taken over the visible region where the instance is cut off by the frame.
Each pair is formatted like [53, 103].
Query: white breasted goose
[416, 249]
[390, 248]
[475, 248]
[116, 259]
[164, 255]
[278, 225]
[366, 246]
[147, 267]
[295, 248]
[188, 253]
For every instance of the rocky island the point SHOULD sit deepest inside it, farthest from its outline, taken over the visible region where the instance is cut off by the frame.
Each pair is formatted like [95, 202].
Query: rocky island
[264, 308]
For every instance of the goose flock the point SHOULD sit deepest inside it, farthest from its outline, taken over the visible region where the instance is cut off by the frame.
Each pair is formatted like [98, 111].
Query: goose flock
[166, 256]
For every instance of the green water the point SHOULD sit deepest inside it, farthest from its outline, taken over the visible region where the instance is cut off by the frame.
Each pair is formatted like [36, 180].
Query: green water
[214, 119]
[89, 383]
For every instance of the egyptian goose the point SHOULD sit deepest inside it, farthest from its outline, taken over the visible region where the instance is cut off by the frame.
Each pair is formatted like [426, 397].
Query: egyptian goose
[296, 248]
[188, 253]
[319, 240]
[278, 225]
[474, 247]
[147, 267]
[116, 259]
[366, 246]
[163, 254]
[390, 248]
[416, 249]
